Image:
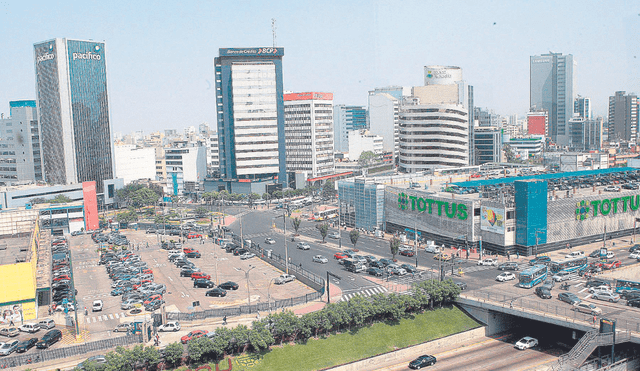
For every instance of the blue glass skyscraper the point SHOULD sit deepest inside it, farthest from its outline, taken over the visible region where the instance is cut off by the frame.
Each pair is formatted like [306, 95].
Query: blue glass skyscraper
[73, 110]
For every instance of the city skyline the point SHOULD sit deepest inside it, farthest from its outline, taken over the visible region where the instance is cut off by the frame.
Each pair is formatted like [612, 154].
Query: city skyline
[161, 62]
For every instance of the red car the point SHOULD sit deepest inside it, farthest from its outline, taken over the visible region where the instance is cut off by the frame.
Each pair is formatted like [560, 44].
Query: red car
[196, 275]
[63, 277]
[340, 255]
[407, 252]
[193, 335]
[476, 175]
[188, 250]
[152, 298]
[612, 265]
[194, 235]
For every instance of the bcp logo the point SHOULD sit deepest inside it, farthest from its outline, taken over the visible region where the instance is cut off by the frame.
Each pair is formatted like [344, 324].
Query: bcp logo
[582, 211]
[403, 201]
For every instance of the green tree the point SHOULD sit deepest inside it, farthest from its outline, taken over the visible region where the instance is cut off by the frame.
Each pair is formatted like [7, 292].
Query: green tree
[128, 216]
[295, 222]
[324, 229]
[261, 337]
[143, 197]
[199, 348]
[201, 212]
[37, 200]
[277, 194]
[367, 158]
[394, 245]
[173, 353]
[328, 190]
[252, 199]
[59, 199]
[354, 235]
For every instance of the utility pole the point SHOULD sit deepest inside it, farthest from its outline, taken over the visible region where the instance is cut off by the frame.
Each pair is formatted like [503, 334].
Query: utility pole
[286, 250]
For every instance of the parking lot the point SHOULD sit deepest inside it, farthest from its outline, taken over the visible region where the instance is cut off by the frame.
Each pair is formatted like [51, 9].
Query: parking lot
[92, 281]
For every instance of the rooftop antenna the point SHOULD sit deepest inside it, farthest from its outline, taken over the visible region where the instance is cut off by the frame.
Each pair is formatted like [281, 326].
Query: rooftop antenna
[273, 30]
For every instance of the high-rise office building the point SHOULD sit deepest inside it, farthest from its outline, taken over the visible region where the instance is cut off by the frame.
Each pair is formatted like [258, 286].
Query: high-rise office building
[250, 107]
[73, 110]
[434, 122]
[487, 145]
[582, 106]
[586, 134]
[383, 116]
[20, 155]
[346, 119]
[309, 133]
[552, 87]
[623, 117]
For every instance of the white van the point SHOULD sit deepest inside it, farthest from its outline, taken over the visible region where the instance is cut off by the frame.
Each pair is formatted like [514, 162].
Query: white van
[574, 254]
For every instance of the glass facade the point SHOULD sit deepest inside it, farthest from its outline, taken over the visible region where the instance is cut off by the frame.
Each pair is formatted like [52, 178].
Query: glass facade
[361, 204]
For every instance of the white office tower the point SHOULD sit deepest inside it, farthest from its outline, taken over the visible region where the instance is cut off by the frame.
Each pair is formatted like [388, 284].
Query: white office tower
[384, 119]
[308, 130]
[434, 122]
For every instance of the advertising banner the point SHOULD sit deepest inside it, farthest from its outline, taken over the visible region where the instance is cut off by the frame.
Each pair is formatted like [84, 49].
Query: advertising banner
[492, 219]
[11, 313]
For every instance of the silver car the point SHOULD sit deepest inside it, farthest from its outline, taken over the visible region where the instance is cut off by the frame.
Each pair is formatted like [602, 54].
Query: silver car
[606, 296]
[320, 259]
[8, 347]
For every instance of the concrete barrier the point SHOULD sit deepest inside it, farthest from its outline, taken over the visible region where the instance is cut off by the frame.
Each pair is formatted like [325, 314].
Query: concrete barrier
[412, 351]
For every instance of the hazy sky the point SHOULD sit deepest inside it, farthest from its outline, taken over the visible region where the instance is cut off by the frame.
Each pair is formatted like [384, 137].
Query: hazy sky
[160, 57]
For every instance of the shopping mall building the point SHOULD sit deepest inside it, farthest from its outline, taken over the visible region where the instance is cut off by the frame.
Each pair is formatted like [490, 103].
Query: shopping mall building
[518, 214]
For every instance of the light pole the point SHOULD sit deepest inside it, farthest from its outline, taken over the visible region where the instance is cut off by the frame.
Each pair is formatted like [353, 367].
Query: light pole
[246, 273]
[538, 239]
[269, 293]
[217, 259]
[286, 249]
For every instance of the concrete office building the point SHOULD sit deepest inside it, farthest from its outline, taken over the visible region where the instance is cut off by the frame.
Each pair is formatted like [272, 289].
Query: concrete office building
[486, 117]
[582, 106]
[364, 141]
[434, 122]
[552, 88]
[186, 168]
[213, 155]
[384, 117]
[134, 163]
[346, 119]
[586, 134]
[73, 110]
[309, 133]
[250, 108]
[20, 155]
[623, 117]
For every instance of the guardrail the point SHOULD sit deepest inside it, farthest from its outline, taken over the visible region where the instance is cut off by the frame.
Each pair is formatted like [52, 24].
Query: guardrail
[37, 356]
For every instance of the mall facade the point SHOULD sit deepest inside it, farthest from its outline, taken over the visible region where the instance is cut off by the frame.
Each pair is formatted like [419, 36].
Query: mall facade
[524, 218]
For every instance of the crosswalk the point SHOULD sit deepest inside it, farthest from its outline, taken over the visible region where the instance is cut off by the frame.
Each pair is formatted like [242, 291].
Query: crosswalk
[366, 293]
[474, 268]
[104, 317]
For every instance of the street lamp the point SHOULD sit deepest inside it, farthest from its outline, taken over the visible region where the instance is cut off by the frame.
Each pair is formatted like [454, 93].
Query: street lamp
[246, 273]
[269, 293]
[538, 239]
[217, 260]
[286, 249]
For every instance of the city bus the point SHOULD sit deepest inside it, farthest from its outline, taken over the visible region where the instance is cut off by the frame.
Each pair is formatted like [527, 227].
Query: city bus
[626, 286]
[325, 214]
[573, 265]
[532, 276]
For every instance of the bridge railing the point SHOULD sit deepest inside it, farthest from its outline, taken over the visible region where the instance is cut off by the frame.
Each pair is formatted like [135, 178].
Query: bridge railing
[552, 307]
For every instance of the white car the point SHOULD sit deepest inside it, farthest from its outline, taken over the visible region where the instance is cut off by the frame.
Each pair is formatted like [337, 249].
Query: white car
[335, 235]
[284, 278]
[170, 326]
[320, 259]
[610, 255]
[561, 276]
[526, 343]
[612, 188]
[29, 327]
[505, 276]
[123, 327]
[97, 306]
[247, 255]
[269, 241]
[303, 246]
[488, 261]
[599, 289]
[434, 249]
[635, 255]
[587, 308]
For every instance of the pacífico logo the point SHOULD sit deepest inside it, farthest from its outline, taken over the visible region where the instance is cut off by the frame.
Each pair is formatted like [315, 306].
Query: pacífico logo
[46, 57]
[87, 55]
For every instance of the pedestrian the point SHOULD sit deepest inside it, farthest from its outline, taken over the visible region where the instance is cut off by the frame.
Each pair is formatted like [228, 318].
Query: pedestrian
[11, 323]
[467, 254]
[594, 319]
[508, 256]
[224, 320]
[147, 244]
[518, 254]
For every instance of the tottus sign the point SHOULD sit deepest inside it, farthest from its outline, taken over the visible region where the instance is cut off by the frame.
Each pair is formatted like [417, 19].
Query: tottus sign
[421, 204]
[607, 206]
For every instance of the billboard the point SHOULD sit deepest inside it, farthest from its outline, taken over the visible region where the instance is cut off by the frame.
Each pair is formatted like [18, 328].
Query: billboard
[253, 52]
[90, 205]
[492, 219]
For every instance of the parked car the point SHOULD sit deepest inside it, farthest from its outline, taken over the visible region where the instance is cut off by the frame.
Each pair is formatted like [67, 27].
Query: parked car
[461, 285]
[434, 249]
[25, 345]
[123, 327]
[407, 252]
[284, 278]
[596, 283]
[612, 265]
[50, 338]
[193, 254]
[543, 292]
[170, 326]
[505, 276]
[587, 308]
[320, 259]
[217, 291]
[9, 347]
[229, 285]
[526, 343]
[508, 266]
[203, 283]
[30, 328]
[561, 276]
[409, 268]
[99, 362]
[197, 275]
[193, 335]
[569, 297]
[424, 360]
[375, 271]
[247, 255]
[97, 306]
[599, 289]
[634, 303]
[386, 262]
[47, 324]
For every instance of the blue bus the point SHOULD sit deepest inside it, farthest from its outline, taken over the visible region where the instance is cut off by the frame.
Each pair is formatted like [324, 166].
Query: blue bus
[532, 276]
[573, 265]
[625, 286]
